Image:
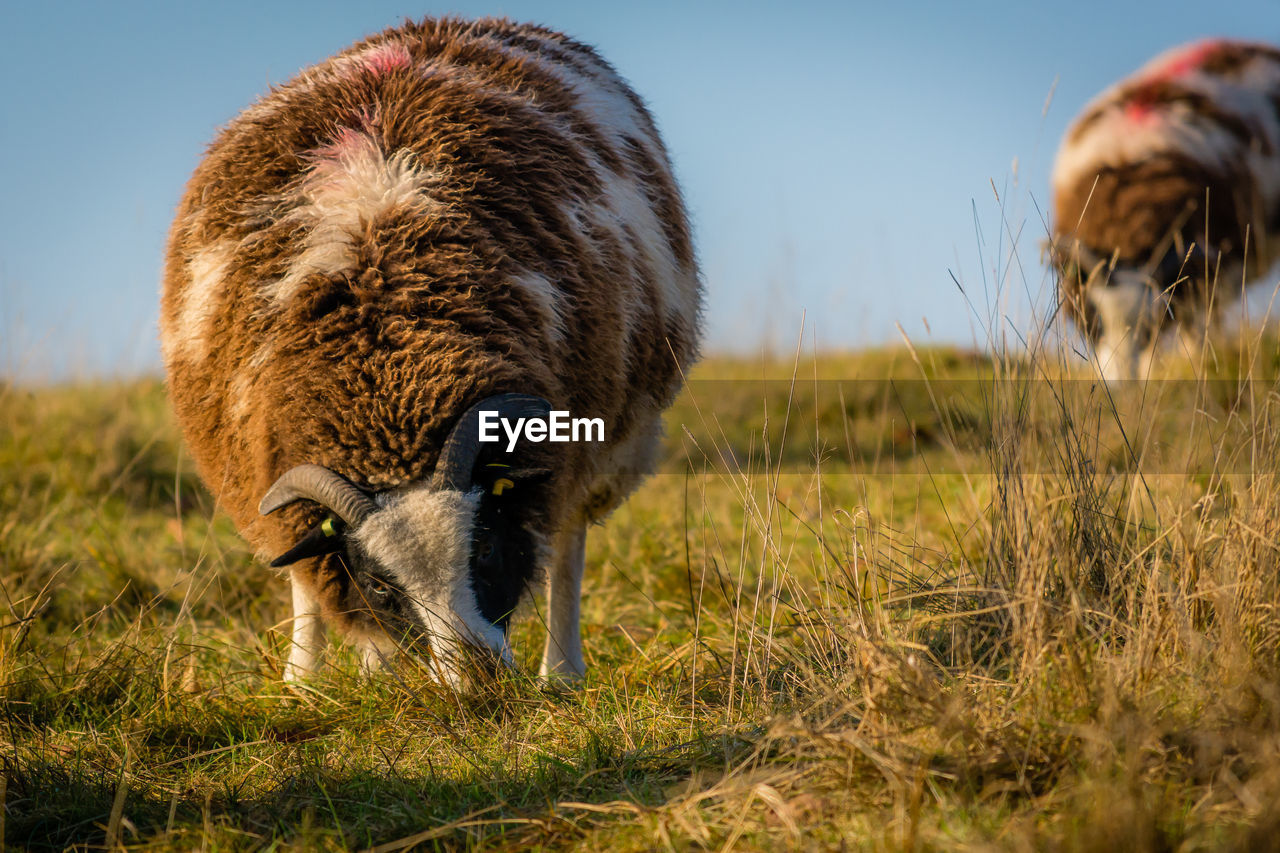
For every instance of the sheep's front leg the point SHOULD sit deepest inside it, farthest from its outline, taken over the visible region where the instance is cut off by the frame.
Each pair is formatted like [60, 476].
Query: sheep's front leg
[563, 655]
[308, 633]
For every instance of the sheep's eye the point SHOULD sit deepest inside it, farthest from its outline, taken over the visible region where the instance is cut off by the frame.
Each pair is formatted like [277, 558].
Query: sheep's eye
[485, 549]
[376, 586]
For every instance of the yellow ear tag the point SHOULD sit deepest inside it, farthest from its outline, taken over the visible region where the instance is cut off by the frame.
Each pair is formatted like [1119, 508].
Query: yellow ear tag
[501, 484]
[326, 527]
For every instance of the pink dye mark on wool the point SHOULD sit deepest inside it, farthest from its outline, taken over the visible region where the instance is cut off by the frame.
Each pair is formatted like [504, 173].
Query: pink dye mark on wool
[385, 58]
[1141, 109]
[346, 142]
[1185, 61]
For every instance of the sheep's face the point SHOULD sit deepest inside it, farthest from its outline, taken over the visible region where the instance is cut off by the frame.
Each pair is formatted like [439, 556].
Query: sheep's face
[1127, 310]
[436, 565]
[411, 574]
[438, 572]
[1120, 310]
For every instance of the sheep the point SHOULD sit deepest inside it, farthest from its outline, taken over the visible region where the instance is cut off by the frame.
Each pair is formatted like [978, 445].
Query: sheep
[1165, 186]
[448, 221]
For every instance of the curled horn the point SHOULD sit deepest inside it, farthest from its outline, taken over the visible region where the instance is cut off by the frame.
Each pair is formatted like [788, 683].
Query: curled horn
[462, 448]
[325, 487]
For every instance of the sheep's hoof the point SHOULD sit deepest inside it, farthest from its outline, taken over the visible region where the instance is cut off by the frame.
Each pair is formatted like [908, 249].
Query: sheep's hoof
[562, 676]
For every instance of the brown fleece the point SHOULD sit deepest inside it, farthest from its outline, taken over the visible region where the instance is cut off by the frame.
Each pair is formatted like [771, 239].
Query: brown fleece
[1141, 207]
[365, 370]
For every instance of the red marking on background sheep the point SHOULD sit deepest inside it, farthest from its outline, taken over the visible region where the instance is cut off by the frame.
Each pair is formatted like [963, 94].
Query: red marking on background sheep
[1170, 173]
[1141, 110]
[1186, 61]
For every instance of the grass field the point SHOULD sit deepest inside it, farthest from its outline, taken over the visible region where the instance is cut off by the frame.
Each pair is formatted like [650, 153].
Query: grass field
[893, 600]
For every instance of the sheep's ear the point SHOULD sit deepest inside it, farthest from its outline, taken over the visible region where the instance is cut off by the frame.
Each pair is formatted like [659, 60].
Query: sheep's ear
[499, 479]
[325, 538]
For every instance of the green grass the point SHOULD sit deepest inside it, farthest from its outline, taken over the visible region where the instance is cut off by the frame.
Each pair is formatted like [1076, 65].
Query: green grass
[999, 608]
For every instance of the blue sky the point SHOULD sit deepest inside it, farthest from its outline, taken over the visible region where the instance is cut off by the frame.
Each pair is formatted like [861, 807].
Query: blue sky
[838, 159]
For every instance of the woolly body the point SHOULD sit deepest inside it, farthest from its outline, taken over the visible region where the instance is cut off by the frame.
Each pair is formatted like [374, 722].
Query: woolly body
[1174, 172]
[443, 212]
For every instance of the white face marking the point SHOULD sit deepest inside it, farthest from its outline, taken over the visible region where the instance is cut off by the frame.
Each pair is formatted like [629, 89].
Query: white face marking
[1129, 313]
[422, 540]
[343, 193]
[198, 304]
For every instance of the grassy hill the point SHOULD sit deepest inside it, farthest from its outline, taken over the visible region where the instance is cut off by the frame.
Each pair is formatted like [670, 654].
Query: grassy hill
[891, 600]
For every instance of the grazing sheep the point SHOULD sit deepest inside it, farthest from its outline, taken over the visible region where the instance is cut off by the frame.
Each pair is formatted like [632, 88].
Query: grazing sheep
[1167, 185]
[447, 218]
